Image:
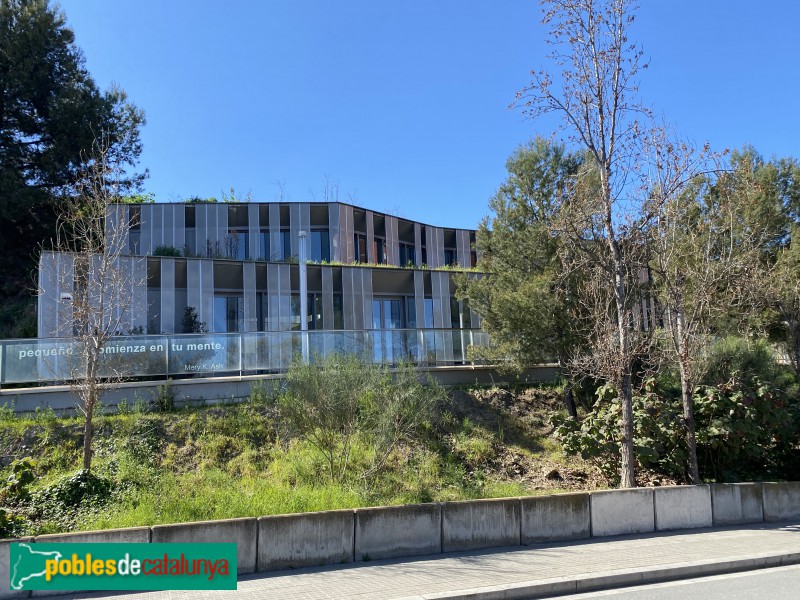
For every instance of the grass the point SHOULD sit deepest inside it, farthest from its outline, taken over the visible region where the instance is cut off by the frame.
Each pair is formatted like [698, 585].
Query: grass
[241, 460]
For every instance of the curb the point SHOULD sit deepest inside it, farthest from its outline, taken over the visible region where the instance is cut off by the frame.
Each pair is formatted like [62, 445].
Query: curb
[560, 586]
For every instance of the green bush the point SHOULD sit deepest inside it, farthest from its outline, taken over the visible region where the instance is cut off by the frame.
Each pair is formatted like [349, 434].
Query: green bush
[746, 428]
[164, 397]
[167, 251]
[340, 399]
[657, 441]
[736, 356]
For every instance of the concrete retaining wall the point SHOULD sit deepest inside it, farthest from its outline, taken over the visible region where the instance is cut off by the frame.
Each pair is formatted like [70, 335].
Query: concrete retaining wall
[737, 503]
[132, 535]
[305, 540]
[617, 512]
[480, 524]
[242, 532]
[201, 391]
[682, 507]
[393, 531]
[554, 518]
[781, 501]
[332, 537]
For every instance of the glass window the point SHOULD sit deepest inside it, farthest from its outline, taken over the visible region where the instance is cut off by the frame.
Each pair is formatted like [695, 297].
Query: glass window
[315, 311]
[153, 311]
[286, 247]
[360, 245]
[314, 308]
[228, 314]
[428, 306]
[450, 256]
[407, 255]
[134, 237]
[411, 313]
[455, 313]
[320, 249]
[295, 312]
[236, 245]
[338, 312]
[263, 312]
[378, 249]
[376, 314]
[264, 246]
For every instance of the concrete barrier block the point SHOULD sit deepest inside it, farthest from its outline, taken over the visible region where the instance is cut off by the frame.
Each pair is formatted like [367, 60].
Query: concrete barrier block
[556, 517]
[682, 507]
[736, 503]
[305, 540]
[132, 535]
[5, 571]
[242, 532]
[393, 531]
[617, 512]
[475, 524]
[781, 500]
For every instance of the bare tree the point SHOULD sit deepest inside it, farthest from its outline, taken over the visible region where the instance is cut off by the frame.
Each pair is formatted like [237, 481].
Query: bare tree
[708, 234]
[95, 282]
[688, 264]
[595, 94]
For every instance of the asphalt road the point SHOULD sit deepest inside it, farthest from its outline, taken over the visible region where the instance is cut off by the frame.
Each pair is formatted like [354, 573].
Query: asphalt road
[782, 583]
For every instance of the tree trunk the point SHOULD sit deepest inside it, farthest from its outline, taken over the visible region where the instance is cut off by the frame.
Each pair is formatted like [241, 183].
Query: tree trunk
[689, 426]
[796, 335]
[88, 434]
[569, 401]
[628, 457]
[569, 397]
[686, 395]
[627, 470]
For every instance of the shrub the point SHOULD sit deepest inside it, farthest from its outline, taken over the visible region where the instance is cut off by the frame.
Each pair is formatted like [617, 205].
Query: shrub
[164, 397]
[746, 429]
[340, 398]
[166, 250]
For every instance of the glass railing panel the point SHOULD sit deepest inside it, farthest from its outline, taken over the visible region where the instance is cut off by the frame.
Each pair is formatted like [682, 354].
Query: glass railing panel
[207, 353]
[135, 356]
[29, 361]
[40, 360]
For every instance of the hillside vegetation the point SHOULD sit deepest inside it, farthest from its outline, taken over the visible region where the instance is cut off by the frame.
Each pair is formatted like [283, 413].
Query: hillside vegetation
[156, 465]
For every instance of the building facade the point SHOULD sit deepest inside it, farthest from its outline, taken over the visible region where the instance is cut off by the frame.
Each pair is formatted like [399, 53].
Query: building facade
[235, 267]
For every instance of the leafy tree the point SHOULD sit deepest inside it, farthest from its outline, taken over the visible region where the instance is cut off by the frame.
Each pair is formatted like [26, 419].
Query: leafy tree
[191, 322]
[785, 292]
[51, 111]
[774, 201]
[524, 301]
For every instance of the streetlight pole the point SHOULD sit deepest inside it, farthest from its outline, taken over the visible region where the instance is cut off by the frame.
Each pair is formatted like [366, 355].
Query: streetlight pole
[303, 296]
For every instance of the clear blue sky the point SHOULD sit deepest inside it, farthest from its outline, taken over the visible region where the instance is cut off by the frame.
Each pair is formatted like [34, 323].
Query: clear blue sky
[405, 104]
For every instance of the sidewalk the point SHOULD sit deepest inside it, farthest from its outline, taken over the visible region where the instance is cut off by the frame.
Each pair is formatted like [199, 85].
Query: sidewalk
[529, 572]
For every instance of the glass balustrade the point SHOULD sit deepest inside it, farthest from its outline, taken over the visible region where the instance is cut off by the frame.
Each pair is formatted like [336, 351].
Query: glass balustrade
[61, 360]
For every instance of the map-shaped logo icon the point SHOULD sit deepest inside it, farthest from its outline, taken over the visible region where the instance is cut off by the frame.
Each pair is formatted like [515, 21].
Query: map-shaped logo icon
[27, 564]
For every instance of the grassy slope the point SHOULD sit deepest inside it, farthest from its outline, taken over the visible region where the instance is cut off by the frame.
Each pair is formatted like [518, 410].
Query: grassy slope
[235, 461]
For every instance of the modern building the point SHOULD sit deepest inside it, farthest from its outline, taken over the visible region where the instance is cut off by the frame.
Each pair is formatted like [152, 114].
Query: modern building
[236, 267]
